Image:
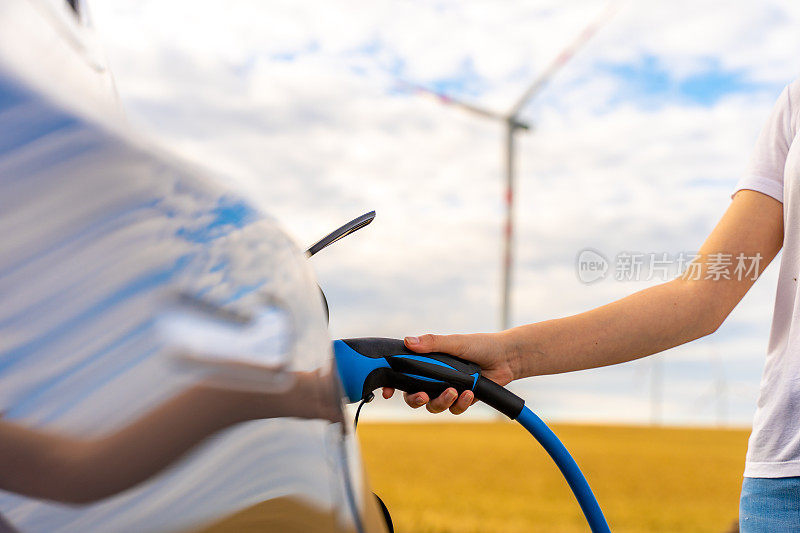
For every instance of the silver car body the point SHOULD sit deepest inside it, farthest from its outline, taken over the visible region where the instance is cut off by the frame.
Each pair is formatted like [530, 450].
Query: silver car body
[106, 239]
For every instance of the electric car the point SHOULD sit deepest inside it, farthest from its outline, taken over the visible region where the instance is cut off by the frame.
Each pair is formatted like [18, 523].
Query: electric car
[161, 339]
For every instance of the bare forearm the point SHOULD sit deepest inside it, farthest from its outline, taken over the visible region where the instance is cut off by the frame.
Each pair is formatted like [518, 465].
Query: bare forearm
[61, 468]
[644, 323]
[152, 443]
[641, 324]
[663, 316]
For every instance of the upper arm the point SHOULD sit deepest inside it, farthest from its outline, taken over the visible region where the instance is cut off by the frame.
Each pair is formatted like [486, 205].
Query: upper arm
[750, 230]
[752, 227]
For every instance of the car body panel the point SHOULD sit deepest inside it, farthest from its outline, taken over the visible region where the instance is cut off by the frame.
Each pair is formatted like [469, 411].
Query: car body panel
[104, 234]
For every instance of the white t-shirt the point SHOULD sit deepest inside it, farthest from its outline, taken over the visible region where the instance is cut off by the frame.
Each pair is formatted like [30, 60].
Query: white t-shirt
[774, 448]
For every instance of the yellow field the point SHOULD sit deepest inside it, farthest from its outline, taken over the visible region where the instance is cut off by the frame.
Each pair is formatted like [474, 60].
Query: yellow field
[482, 477]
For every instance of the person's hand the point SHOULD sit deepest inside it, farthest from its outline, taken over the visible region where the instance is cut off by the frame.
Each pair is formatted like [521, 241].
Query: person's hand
[490, 350]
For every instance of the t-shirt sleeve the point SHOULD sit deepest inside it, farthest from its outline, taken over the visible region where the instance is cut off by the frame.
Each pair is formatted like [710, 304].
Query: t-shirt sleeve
[765, 171]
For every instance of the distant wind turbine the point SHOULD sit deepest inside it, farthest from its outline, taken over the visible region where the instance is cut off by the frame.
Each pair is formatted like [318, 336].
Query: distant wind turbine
[513, 122]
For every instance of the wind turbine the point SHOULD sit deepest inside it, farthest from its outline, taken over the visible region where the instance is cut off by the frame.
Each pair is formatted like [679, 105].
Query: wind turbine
[513, 123]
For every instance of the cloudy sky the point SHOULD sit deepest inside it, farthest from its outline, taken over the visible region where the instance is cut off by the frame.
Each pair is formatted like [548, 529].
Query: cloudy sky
[304, 106]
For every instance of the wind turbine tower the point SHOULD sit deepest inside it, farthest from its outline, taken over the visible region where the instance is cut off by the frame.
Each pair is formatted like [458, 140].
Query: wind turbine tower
[514, 123]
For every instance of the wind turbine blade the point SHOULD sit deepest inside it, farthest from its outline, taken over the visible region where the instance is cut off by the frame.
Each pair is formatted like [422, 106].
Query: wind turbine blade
[566, 54]
[448, 100]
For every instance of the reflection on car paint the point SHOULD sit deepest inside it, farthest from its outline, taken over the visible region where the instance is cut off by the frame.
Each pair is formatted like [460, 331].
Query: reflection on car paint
[100, 231]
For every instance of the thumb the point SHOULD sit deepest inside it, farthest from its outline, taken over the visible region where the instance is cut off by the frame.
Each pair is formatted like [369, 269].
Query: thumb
[451, 344]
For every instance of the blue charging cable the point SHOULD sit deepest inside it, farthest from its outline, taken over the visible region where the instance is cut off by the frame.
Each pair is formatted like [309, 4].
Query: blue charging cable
[369, 363]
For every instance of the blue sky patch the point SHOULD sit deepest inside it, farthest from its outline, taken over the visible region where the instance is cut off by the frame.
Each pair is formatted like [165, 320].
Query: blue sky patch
[228, 214]
[650, 83]
[464, 82]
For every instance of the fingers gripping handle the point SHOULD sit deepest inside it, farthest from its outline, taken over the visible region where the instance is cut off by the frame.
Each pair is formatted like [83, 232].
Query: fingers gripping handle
[369, 363]
[366, 364]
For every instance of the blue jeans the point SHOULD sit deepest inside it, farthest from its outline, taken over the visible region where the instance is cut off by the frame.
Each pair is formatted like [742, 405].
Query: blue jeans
[770, 505]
